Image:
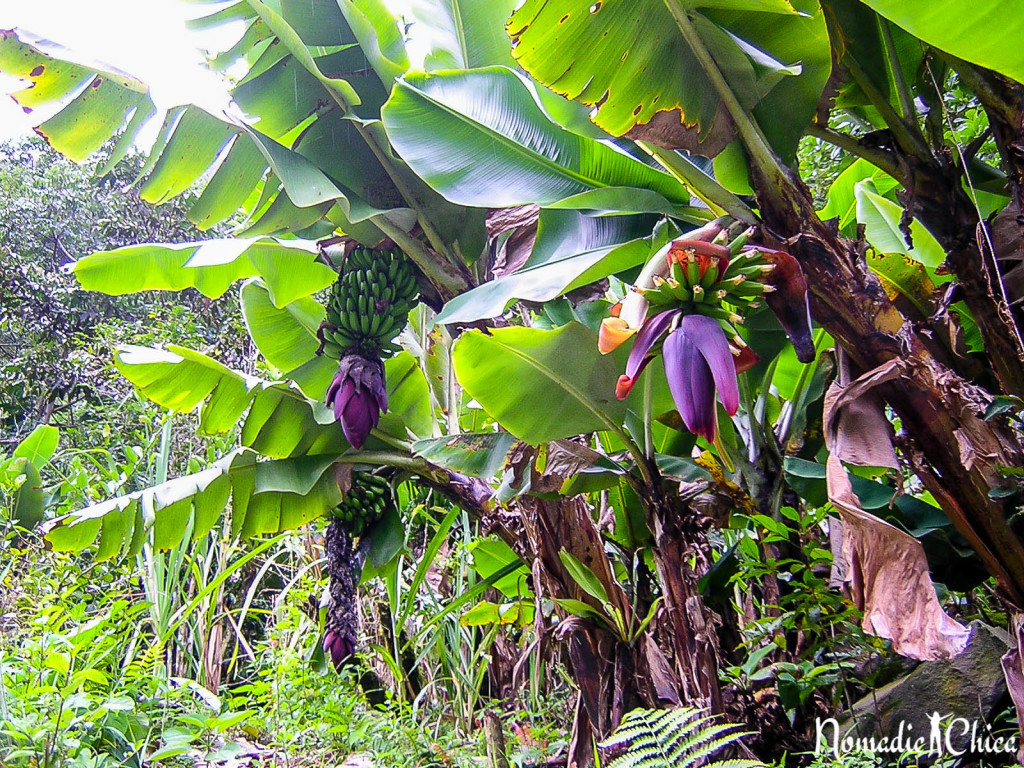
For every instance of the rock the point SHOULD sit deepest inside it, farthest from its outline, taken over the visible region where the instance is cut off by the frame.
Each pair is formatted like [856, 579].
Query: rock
[968, 686]
[358, 760]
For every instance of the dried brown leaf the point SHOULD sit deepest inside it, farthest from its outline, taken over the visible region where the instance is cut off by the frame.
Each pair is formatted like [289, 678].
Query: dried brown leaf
[883, 568]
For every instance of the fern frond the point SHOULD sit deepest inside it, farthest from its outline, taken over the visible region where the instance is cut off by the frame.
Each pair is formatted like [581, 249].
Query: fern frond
[672, 738]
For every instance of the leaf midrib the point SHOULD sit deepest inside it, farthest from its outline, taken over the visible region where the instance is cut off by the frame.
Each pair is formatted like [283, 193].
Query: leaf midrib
[519, 149]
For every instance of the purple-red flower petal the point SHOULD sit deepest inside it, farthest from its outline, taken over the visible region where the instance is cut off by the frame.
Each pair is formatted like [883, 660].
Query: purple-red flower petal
[745, 360]
[691, 384]
[358, 395]
[790, 302]
[698, 364]
[709, 338]
[649, 335]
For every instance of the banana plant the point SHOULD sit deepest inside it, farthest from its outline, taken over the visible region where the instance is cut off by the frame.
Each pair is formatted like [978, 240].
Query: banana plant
[885, 69]
[512, 202]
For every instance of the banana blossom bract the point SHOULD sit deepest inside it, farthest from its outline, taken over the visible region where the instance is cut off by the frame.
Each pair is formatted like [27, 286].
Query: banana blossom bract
[698, 365]
[358, 396]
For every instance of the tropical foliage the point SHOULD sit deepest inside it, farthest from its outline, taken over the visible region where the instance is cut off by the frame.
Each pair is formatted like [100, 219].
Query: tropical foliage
[459, 245]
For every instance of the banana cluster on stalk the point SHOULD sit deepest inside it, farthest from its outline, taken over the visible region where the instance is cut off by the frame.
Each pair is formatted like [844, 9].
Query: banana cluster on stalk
[706, 279]
[369, 304]
[364, 503]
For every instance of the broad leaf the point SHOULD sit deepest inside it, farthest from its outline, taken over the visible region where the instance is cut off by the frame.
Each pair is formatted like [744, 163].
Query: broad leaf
[105, 96]
[265, 497]
[857, 33]
[387, 537]
[984, 32]
[773, 54]
[230, 186]
[285, 336]
[281, 93]
[379, 35]
[39, 446]
[194, 146]
[25, 503]
[480, 139]
[881, 219]
[583, 576]
[540, 385]
[409, 407]
[842, 197]
[477, 454]
[486, 613]
[289, 39]
[180, 379]
[289, 270]
[902, 275]
[281, 422]
[490, 556]
[571, 249]
[462, 34]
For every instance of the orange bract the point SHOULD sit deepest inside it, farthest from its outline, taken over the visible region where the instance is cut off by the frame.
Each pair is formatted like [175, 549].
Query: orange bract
[613, 332]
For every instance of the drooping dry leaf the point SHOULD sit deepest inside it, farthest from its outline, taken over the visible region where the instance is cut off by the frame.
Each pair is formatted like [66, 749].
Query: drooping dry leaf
[663, 680]
[862, 435]
[563, 459]
[668, 130]
[883, 568]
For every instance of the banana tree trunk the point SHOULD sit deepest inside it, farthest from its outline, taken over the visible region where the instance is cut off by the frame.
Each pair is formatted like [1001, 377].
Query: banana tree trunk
[959, 452]
[615, 674]
[682, 556]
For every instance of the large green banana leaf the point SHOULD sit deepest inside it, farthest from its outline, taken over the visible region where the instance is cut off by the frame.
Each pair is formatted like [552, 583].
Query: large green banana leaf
[285, 336]
[541, 385]
[281, 421]
[264, 496]
[857, 34]
[289, 269]
[105, 96]
[301, 143]
[571, 250]
[462, 34]
[480, 138]
[884, 228]
[985, 32]
[841, 203]
[477, 454]
[638, 63]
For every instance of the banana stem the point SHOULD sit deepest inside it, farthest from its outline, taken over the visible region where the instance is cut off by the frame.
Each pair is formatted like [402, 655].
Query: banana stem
[698, 183]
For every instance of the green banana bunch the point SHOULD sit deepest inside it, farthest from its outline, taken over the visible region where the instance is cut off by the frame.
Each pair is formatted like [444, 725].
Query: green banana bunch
[370, 303]
[707, 279]
[364, 503]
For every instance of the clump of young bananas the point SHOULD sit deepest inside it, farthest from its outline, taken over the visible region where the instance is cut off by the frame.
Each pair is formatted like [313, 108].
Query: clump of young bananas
[364, 503]
[706, 278]
[370, 303]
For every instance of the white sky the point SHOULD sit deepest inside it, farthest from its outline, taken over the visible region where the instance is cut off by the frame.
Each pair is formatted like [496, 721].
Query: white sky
[146, 38]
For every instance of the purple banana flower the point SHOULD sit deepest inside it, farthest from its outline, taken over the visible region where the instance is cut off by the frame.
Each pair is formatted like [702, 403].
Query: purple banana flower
[698, 364]
[358, 396]
[339, 648]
